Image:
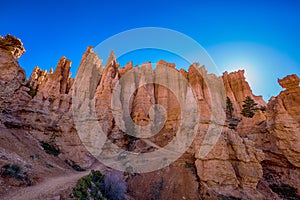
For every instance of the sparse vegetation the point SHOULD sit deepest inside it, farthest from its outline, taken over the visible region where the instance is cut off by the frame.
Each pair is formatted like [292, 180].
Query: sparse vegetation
[12, 170]
[75, 166]
[31, 92]
[156, 189]
[263, 108]
[50, 149]
[233, 123]
[285, 191]
[229, 108]
[97, 186]
[35, 156]
[114, 186]
[89, 187]
[191, 166]
[222, 197]
[49, 166]
[16, 172]
[249, 107]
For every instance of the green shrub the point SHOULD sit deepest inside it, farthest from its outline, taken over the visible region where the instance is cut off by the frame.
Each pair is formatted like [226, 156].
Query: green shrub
[233, 123]
[32, 92]
[35, 156]
[12, 170]
[249, 107]
[156, 189]
[89, 187]
[222, 197]
[114, 186]
[50, 149]
[97, 186]
[229, 108]
[75, 166]
[16, 172]
[49, 166]
[285, 191]
[191, 166]
[263, 108]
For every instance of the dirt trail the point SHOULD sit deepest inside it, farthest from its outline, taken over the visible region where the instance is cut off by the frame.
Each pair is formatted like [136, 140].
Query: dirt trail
[51, 188]
[48, 189]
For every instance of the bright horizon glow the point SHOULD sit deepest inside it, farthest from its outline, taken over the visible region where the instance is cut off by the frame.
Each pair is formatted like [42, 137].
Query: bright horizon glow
[262, 65]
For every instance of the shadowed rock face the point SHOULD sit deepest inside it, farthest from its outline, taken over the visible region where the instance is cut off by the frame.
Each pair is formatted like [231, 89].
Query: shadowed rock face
[44, 106]
[12, 76]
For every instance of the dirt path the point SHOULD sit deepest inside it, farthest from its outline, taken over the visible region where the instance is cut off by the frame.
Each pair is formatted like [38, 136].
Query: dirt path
[52, 188]
[49, 189]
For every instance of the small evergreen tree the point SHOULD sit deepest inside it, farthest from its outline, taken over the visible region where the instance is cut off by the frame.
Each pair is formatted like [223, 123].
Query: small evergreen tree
[96, 186]
[229, 108]
[249, 107]
[263, 108]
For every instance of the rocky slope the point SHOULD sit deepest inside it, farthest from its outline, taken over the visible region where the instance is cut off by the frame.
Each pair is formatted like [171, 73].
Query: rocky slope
[256, 160]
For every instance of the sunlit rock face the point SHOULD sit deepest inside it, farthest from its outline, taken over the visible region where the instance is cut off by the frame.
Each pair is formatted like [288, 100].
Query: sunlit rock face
[290, 82]
[237, 89]
[237, 163]
[283, 119]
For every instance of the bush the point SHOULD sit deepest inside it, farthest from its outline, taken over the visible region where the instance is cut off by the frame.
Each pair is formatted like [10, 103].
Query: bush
[16, 172]
[229, 108]
[156, 189]
[74, 166]
[233, 123]
[97, 186]
[249, 107]
[12, 170]
[191, 166]
[285, 191]
[32, 92]
[114, 186]
[77, 168]
[222, 197]
[50, 149]
[89, 187]
[263, 108]
[35, 156]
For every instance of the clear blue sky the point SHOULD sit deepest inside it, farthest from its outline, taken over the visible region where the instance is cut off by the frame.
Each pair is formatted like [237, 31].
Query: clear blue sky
[262, 37]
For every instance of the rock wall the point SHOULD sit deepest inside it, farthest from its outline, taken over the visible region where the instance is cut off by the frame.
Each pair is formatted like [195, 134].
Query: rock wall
[276, 132]
[237, 89]
[283, 119]
[12, 76]
[238, 161]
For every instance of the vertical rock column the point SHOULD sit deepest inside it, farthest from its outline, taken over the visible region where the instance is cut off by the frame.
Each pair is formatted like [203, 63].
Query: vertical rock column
[12, 76]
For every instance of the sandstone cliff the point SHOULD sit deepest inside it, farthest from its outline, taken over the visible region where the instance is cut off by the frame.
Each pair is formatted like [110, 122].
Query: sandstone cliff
[127, 105]
[12, 75]
[237, 89]
[283, 119]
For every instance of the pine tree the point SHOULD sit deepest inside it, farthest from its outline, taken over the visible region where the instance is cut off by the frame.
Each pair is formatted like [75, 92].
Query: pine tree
[249, 107]
[229, 108]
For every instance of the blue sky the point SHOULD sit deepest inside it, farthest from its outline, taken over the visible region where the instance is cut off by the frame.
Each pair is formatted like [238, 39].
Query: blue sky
[261, 37]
